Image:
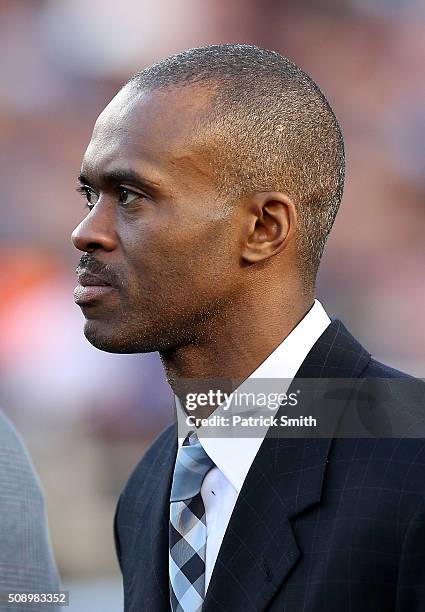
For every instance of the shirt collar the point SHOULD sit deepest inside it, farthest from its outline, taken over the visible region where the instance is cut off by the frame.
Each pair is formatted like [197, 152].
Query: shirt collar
[234, 456]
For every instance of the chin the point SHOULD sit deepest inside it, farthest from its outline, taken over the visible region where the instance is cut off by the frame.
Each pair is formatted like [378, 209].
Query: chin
[113, 339]
[105, 338]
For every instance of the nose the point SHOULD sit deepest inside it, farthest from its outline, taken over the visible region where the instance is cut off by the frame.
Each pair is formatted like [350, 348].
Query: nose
[96, 231]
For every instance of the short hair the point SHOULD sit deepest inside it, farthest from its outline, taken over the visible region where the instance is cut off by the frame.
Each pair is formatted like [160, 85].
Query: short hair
[272, 130]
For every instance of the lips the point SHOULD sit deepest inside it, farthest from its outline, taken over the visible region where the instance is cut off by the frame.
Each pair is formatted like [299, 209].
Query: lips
[91, 289]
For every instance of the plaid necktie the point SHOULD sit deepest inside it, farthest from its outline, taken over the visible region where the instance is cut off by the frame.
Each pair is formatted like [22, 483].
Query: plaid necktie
[188, 531]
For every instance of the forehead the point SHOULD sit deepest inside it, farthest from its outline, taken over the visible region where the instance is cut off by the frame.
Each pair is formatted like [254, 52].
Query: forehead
[157, 128]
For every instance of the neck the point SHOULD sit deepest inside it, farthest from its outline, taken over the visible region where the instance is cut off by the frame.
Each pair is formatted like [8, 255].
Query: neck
[235, 345]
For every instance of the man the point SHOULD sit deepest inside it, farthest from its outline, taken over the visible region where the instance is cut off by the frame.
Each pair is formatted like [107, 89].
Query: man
[212, 180]
[26, 559]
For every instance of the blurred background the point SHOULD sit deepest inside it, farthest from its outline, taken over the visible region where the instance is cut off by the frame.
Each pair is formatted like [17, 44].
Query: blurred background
[87, 416]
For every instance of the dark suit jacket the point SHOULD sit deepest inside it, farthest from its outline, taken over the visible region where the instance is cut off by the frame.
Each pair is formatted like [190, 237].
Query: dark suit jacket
[320, 525]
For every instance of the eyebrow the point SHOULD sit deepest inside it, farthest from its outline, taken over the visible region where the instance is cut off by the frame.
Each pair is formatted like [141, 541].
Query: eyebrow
[118, 176]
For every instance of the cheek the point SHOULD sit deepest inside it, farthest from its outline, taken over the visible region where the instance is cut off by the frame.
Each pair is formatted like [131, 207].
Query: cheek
[197, 260]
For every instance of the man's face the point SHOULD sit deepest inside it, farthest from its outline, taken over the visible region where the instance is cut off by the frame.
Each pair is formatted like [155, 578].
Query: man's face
[157, 235]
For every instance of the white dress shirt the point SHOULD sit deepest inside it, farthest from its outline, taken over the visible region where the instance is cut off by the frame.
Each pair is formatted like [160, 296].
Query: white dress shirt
[233, 456]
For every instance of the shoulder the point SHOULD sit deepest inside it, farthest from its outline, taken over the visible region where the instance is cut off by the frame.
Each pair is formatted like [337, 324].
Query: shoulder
[376, 369]
[17, 472]
[9, 437]
[390, 405]
[25, 549]
[399, 391]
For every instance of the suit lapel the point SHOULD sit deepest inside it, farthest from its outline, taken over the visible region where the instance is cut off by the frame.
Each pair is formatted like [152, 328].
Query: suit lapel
[259, 548]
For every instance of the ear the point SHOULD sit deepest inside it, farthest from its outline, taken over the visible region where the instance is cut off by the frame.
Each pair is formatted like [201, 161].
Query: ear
[271, 224]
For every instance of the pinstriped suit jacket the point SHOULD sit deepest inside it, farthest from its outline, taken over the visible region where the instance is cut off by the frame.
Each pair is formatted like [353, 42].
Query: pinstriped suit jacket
[26, 560]
[320, 525]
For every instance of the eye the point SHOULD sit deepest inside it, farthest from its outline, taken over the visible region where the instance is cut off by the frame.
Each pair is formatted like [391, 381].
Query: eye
[91, 196]
[127, 196]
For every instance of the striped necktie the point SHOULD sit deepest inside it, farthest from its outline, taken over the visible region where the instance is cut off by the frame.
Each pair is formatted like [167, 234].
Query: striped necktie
[188, 531]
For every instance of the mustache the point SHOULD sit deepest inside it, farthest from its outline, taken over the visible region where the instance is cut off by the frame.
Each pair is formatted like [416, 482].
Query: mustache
[105, 272]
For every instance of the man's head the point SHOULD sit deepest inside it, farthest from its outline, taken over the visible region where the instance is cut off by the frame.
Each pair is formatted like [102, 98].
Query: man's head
[214, 177]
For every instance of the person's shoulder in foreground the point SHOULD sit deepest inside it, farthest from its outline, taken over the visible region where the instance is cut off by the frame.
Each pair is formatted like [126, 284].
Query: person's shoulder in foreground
[26, 559]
